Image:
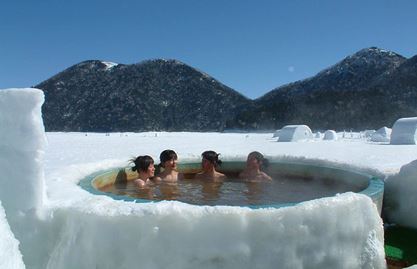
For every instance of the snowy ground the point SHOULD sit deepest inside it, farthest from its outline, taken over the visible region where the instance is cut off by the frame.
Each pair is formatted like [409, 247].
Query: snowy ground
[66, 149]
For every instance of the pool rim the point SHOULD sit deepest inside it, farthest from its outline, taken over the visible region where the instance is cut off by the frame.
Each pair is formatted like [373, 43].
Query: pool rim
[374, 190]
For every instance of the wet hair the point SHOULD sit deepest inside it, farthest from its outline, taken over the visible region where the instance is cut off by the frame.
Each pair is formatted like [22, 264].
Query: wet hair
[212, 157]
[167, 155]
[142, 163]
[264, 162]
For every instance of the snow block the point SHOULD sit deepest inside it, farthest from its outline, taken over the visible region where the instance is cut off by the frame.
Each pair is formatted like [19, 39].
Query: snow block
[22, 139]
[404, 131]
[400, 196]
[294, 133]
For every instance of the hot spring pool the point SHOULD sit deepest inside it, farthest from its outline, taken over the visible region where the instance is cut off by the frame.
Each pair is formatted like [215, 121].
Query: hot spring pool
[292, 183]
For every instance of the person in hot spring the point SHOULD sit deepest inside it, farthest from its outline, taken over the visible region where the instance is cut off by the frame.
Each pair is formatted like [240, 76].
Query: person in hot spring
[168, 159]
[144, 165]
[209, 162]
[255, 164]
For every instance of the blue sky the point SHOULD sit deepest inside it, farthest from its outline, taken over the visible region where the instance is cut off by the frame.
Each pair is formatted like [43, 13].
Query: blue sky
[250, 46]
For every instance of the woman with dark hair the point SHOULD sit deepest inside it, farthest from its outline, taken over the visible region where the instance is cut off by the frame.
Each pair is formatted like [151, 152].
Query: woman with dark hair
[254, 170]
[144, 165]
[168, 159]
[209, 162]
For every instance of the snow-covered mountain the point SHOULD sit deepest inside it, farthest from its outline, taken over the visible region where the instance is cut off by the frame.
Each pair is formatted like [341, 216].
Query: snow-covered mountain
[151, 95]
[369, 89]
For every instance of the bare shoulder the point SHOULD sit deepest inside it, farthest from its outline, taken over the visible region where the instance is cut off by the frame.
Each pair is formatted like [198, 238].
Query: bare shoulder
[221, 176]
[157, 179]
[139, 183]
[265, 176]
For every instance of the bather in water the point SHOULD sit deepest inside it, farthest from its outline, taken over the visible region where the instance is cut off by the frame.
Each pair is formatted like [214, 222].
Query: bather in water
[255, 164]
[210, 161]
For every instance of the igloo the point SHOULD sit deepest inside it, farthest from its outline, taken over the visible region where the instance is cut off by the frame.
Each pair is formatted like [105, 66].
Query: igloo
[381, 135]
[294, 133]
[404, 131]
[330, 135]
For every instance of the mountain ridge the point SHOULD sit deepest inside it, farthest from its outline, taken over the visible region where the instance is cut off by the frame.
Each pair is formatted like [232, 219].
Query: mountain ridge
[169, 95]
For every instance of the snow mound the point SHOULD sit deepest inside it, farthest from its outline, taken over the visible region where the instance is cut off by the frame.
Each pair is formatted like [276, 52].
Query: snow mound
[367, 133]
[330, 135]
[400, 196]
[276, 133]
[381, 135]
[404, 131]
[295, 133]
[10, 256]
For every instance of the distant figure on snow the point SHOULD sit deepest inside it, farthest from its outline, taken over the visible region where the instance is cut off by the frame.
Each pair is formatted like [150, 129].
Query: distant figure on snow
[168, 161]
[255, 164]
[209, 162]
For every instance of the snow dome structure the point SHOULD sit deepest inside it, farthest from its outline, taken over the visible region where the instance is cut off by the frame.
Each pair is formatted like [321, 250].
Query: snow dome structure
[294, 133]
[67, 227]
[404, 131]
[330, 135]
[381, 135]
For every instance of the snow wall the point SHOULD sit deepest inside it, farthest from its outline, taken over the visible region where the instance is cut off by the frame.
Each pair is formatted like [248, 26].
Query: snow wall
[22, 140]
[10, 256]
[89, 231]
[400, 196]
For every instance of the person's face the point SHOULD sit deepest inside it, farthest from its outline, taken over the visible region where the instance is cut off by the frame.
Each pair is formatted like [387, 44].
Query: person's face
[151, 170]
[252, 162]
[171, 164]
[206, 164]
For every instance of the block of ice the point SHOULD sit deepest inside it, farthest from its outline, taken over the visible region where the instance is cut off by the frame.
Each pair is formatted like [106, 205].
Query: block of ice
[22, 139]
[400, 196]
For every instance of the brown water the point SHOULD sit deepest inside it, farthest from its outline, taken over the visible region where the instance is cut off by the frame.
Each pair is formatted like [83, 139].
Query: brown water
[235, 192]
